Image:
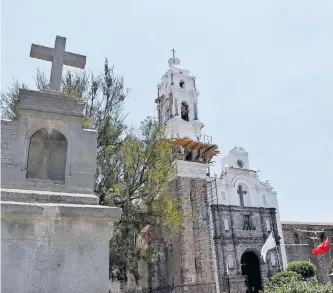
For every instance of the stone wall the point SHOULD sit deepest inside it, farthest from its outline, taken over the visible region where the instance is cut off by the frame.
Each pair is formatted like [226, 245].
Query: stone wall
[55, 247]
[53, 239]
[74, 164]
[232, 240]
[183, 261]
[298, 252]
[8, 137]
[299, 246]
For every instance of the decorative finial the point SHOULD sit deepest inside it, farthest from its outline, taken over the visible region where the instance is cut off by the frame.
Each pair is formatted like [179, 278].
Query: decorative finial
[173, 61]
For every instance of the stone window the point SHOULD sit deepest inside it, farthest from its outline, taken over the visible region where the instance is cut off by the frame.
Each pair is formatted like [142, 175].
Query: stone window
[247, 223]
[182, 84]
[184, 111]
[47, 155]
[268, 226]
[322, 237]
[296, 238]
[231, 263]
[226, 224]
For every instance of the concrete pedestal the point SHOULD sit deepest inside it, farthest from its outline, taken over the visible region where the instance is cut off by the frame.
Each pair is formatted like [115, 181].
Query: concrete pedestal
[54, 242]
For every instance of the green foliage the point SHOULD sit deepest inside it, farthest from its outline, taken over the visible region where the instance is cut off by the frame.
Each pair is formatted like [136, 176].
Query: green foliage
[146, 165]
[10, 100]
[304, 268]
[41, 81]
[298, 278]
[75, 84]
[300, 287]
[145, 252]
[282, 278]
[88, 123]
[169, 210]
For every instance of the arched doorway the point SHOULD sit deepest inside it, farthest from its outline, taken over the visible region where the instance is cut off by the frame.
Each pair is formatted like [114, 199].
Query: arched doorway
[250, 265]
[184, 111]
[47, 155]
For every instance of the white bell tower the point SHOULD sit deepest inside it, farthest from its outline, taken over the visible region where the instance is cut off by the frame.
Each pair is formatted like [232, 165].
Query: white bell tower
[177, 107]
[177, 102]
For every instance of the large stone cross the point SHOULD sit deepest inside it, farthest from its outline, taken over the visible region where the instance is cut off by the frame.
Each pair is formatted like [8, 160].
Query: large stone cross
[58, 56]
[241, 192]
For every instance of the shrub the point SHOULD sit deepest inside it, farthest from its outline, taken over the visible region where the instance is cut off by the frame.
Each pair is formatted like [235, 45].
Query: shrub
[304, 268]
[301, 287]
[282, 278]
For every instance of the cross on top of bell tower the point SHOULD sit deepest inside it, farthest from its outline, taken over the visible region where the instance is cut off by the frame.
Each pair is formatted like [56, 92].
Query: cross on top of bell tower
[173, 61]
[58, 56]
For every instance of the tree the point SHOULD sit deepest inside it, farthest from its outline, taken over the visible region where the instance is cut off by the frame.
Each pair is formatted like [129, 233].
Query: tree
[304, 268]
[10, 100]
[142, 193]
[134, 166]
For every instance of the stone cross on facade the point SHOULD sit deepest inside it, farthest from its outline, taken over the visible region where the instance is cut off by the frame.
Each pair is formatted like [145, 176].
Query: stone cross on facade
[58, 56]
[241, 192]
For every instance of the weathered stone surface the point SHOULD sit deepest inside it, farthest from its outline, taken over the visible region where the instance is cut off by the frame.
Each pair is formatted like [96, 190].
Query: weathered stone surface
[47, 155]
[58, 56]
[35, 196]
[299, 246]
[54, 235]
[55, 247]
[185, 260]
[67, 164]
[8, 139]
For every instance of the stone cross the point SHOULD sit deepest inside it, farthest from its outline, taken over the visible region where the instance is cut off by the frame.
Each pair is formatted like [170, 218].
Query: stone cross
[240, 191]
[58, 56]
[173, 53]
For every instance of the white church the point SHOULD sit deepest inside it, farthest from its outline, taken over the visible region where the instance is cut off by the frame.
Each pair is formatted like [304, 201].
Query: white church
[239, 213]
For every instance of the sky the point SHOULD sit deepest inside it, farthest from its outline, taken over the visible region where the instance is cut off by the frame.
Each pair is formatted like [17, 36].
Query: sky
[264, 70]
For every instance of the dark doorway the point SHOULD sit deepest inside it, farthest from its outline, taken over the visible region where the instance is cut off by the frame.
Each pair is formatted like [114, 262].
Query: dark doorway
[184, 111]
[250, 265]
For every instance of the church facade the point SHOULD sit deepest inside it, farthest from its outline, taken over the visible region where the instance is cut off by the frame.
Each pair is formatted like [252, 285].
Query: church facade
[231, 216]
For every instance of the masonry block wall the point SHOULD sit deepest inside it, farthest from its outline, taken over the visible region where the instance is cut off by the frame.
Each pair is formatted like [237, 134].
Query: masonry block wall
[232, 241]
[299, 246]
[8, 137]
[202, 237]
[183, 261]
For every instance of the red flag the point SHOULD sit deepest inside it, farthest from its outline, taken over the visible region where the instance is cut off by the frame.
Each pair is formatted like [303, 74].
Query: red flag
[322, 248]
